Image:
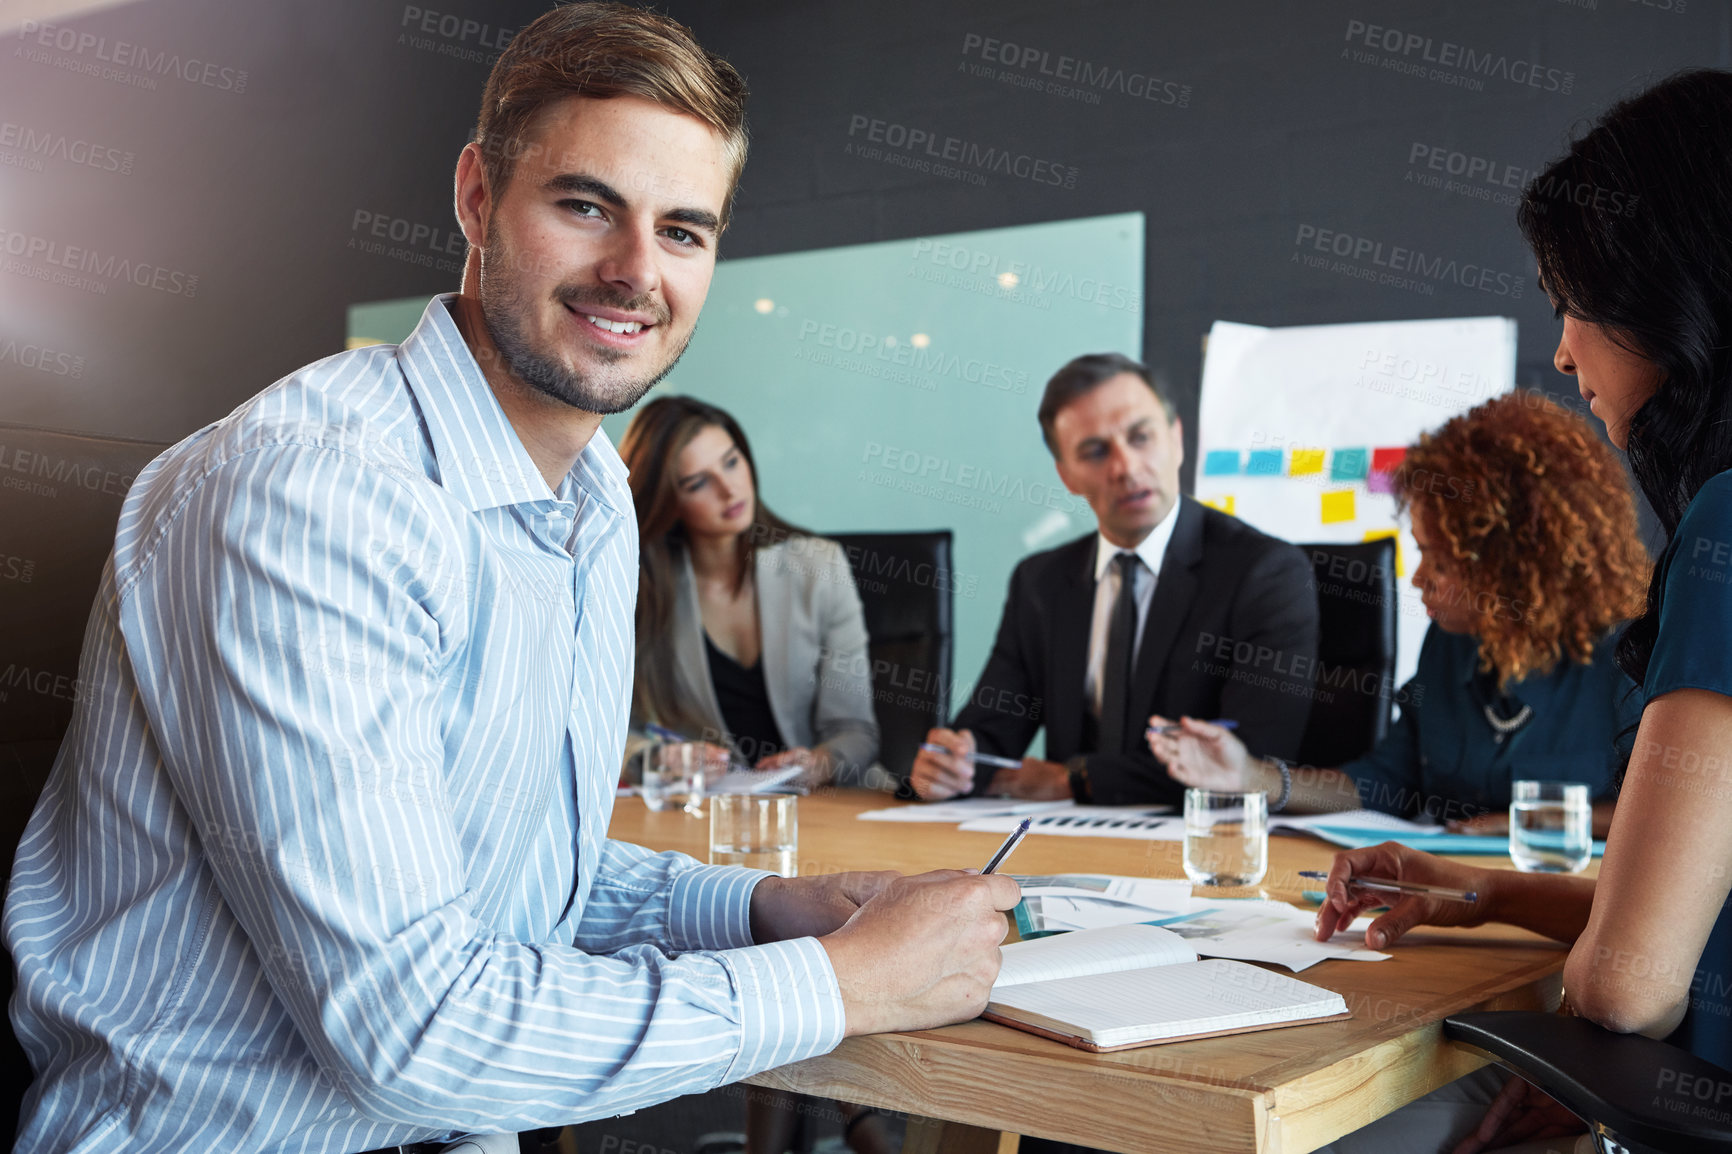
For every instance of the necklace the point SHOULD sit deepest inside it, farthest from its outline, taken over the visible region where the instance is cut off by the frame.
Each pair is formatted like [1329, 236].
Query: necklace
[1501, 728]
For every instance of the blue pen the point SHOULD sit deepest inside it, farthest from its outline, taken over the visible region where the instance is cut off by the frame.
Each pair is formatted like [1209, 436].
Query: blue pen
[982, 758]
[1224, 723]
[1010, 843]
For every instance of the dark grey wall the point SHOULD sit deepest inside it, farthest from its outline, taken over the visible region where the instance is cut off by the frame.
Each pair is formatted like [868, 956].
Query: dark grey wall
[1268, 120]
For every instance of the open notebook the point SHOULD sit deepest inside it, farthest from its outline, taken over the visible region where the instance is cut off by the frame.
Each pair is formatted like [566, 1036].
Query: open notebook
[1133, 985]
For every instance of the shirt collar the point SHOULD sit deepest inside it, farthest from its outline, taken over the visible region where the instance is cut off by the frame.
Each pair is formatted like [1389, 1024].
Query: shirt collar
[482, 461]
[1534, 689]
[1152, 549]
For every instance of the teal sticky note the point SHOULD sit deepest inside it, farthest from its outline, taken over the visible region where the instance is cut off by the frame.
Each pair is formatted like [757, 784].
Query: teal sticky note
[1220, 462]
[1263, 463]
[1349, 465]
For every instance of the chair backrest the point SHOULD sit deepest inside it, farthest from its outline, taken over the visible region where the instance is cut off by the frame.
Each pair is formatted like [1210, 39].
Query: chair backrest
[1356, 608]
[60, 496]
[907, 589]
[1639, 1095]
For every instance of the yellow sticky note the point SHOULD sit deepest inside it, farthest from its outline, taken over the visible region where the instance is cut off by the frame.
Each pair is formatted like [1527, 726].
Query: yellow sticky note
[1338, 507]
[1395, 534]
[1305, 461]
[1222, 504]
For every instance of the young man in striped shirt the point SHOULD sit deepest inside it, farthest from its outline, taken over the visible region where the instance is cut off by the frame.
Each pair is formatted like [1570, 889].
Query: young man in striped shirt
[323, 866]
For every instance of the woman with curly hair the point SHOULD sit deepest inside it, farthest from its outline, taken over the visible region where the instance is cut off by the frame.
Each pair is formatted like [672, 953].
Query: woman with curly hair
[1529, 560]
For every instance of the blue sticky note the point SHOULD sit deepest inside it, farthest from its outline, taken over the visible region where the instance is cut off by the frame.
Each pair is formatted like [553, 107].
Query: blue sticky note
[1263, 463]
[1220, 462]
[1349, 465]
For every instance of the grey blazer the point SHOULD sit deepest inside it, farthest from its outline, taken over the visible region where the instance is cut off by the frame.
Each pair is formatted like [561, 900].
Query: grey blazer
[813, 645]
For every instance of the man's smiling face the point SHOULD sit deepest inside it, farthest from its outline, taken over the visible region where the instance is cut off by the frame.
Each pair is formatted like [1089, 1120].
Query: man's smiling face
[600, 249]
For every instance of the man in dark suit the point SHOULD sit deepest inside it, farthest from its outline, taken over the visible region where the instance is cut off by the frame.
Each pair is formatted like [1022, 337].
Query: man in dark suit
[1171, 608]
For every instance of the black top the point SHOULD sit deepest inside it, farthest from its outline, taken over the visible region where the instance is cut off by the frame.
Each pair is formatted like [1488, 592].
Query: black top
[745, 704]
[1443, 757]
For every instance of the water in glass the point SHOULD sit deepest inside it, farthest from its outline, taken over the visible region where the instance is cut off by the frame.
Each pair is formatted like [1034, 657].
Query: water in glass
[1226, 838]
[1550, 826]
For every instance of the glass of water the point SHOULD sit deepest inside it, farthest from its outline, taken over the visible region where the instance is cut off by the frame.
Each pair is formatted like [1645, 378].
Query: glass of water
[759, 830]
[1551, 826]
[1226, 837]
[672, 771]
[660, 775]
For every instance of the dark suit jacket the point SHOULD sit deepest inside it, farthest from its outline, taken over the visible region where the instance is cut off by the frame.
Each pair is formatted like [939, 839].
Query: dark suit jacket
[1233, 617]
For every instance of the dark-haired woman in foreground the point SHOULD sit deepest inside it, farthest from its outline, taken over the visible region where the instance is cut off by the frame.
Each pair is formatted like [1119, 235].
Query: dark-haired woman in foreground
[1642, 278]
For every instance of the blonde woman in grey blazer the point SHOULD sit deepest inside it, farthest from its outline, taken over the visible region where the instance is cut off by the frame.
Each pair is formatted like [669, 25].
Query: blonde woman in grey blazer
[750, 636]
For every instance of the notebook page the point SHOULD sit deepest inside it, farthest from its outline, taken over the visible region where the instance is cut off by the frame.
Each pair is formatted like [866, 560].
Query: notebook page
[1099, 951]
[1172, 1002]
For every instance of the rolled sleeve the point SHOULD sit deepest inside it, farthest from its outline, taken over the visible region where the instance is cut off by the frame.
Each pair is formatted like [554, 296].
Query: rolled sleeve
[789, 1003]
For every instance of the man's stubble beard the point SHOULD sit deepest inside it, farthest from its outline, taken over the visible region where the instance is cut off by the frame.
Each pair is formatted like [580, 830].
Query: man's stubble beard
[504, 304]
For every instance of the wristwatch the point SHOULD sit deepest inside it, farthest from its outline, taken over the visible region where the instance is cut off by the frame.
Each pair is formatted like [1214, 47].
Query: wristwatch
[1078, 765]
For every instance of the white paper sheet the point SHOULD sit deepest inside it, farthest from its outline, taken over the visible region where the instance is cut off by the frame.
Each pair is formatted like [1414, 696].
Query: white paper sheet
[1246, 931]
[752, 780]
[1366, 819]
[1171, 894]
[1154, 823]
[965, 809]
[1262, 931]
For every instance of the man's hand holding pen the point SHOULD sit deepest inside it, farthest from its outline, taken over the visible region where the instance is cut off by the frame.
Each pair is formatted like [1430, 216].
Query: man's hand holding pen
[948, 760]
[923, 952]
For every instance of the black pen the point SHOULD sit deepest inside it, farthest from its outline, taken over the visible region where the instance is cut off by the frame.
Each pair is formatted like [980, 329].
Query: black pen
[1010, 843]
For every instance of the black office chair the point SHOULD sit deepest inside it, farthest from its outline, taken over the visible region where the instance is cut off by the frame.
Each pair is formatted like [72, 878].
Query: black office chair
[60, 496]
[1355, 650]
[907, 588]
[1638, 1096]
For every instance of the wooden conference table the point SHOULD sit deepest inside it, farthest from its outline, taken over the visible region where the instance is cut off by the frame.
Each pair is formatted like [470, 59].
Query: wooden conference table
[1278, 1091]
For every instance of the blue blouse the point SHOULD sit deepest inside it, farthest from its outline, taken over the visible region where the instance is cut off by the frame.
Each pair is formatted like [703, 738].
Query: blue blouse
[1694, 651]
[1443, 757]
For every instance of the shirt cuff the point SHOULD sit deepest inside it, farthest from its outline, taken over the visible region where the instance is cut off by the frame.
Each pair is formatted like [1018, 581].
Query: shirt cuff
[790, 1004]
[710, 908]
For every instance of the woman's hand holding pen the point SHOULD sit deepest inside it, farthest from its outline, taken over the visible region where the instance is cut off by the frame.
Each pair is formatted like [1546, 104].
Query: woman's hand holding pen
[1342, 903]
[1201, 755]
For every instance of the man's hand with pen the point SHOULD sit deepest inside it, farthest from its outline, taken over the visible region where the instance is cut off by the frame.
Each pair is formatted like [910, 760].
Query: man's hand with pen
[948, 760]
[923, 952]
[915, 952]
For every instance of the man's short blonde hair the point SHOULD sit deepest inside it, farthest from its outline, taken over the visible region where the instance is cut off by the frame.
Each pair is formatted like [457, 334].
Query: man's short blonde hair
[603, 50]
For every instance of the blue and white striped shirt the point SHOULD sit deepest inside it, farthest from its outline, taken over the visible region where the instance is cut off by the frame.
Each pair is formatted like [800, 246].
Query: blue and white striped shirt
[323, 865]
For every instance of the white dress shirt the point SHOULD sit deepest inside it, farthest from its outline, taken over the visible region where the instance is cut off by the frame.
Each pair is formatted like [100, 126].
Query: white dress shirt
[1150, 552]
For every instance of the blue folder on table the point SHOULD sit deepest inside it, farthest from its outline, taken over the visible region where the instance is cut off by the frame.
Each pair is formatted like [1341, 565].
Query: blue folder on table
[1356, 837]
